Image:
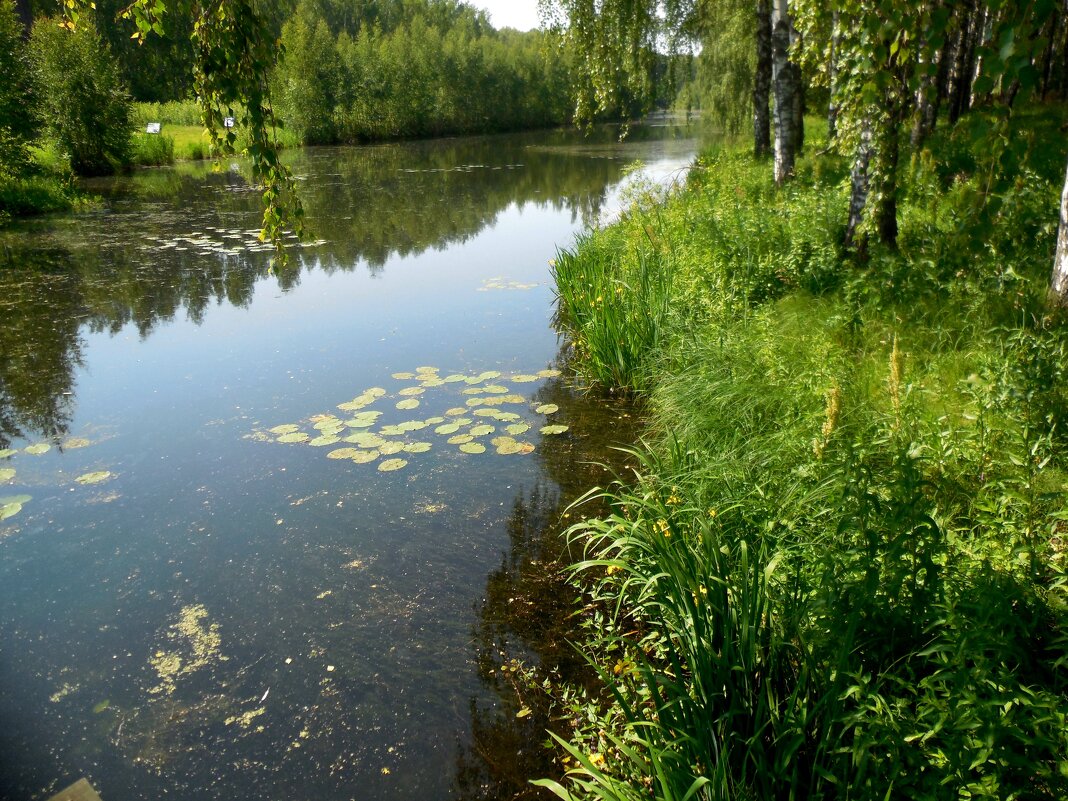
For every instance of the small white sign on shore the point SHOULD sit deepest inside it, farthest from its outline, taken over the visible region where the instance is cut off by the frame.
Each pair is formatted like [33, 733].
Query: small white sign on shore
[228, 122]
[153, 127]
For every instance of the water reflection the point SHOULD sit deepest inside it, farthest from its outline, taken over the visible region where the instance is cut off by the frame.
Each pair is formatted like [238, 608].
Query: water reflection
[183, 240]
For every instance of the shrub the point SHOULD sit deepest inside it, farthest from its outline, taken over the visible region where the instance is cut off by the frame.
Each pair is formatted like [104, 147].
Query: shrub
[16, 117]
[83, 103]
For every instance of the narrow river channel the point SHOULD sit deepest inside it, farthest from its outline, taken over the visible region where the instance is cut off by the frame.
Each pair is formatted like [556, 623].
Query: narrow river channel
[260, 532]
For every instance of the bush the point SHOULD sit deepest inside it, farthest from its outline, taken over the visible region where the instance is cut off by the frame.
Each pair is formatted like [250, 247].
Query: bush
[16, 117]
[83, 103]
[152, 149]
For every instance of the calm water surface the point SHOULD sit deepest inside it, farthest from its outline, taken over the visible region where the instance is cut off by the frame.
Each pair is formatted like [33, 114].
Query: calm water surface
[224, 615]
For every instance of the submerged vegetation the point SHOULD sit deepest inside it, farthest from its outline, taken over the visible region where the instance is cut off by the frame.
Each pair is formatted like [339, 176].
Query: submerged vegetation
[838, 570]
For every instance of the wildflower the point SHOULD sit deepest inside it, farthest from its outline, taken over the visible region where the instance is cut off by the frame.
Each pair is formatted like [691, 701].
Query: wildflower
[597, 759]
[665, 529]
[711, 513]
[612, 570]
[673, 500]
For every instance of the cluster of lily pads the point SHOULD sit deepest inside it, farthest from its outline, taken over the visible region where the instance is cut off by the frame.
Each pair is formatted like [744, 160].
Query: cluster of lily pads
[11, 505]
[487, 410]
[503, 283]
[227, 241]
[466, 168]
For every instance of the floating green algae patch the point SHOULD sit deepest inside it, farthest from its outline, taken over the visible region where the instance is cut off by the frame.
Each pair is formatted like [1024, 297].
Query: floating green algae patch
[94, 478]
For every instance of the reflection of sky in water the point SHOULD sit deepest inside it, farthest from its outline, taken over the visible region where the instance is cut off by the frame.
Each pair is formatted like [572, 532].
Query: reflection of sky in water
[343, 594]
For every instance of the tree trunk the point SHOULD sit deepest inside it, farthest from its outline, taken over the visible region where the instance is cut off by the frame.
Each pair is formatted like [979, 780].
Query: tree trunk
[886, 211]
[858, 196]
[962, 84]
[832, 78]
[762, 81]
[783, 78]
[25, 12]
[1058, 287]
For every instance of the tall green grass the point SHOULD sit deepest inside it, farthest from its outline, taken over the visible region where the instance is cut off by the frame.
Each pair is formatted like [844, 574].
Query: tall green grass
[839, 569]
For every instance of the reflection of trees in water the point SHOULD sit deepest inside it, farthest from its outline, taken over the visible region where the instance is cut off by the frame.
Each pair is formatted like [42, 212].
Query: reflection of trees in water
[107, 269]
[528, 614]
[40, 315]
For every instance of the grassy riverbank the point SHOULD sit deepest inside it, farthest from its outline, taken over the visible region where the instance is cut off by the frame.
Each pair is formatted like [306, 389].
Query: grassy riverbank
[840, 570]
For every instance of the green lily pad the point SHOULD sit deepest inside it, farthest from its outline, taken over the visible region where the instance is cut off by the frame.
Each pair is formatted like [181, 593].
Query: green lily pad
[7, 473]
[434, 382]
[9, 510]
[508, 417]
[459, 439]
[390, 448]
[342, 453]
[365, 439]
[390, 465]
[482, 430]
[554, 429]
[473, 447]
[325, 439]
[510, 399]
[523, 378]
[373, 393]
[391, 430]
[404, 376]
[74, 443]
[98, 708]
[426, 369]
[296, 436]
[365, 457]
[486, 376]
[477, 401]
[509, 448]
[7, 453]
[354, 404]
[94, 478]
[408, 403]
[367, 415]
[19, 499]
[454, 378]
[411, 391]
[360, 422]
[39, 448]
[495, 389]
[417, 447]
[433, 421]
[492, 413]
[326, 423]
[288, 428]
[461, 421]
[455, 411]
[448, 428]
[548, 373]
[473, 391]
[496, 442]
[547, 408]
[517, 428]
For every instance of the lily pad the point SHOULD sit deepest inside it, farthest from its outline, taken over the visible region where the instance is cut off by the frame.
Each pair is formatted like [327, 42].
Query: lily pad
[495, 389]
[7, 473]
[325, 439]
[94, 478]
[408, 403]
[391, 430]
[367, 415]
[74, 443]
[7, 453]
[9, 510]
[342, 453]
[412, 425]
[482, 430]
[433, 421]
[523, 378]
[426, 369]
[410, 391]
[454, 378]
[509, 448]
[390, 465]
[496, 442]
[473, 391]
[288, 428]
[326, 423]
[526, 447]
[433, 382]
[417, 447]
[296, 436]
[98, 708]
[553, 429]
[373, 393]
[390, 448]
[404, 376]
[448, 428]
[366, 439]
[548, 373]
[492, 413]
[510, 399]
[517, 428]
[364, 457]
[508, 417]
[360, 422]
[19, 499]
[486, 376]
[459, 439]
[473, 447]
[455, 411]
[547, 408]
[477, 401]
[39, 448]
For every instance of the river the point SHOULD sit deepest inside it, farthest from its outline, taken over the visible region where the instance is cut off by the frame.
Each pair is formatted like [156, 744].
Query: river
[273, 534]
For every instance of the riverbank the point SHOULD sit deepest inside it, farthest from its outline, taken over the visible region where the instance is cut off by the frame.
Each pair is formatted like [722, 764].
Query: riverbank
[839, 570]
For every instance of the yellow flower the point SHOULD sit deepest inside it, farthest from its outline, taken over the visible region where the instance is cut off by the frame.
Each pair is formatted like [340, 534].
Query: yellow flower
[597, 759]
[664, 528]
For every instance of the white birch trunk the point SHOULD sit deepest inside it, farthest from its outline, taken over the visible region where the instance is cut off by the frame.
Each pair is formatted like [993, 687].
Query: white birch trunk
[1059, 281]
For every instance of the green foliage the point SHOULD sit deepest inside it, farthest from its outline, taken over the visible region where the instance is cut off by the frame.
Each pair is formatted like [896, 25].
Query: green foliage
[839, 568]
[151, 149]
[16, 118]
[83, 104]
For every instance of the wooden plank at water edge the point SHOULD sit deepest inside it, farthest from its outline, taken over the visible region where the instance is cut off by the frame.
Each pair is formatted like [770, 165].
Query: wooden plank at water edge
[81, 790]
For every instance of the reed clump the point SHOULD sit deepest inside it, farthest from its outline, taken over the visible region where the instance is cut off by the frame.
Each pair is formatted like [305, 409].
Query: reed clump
[837, 570]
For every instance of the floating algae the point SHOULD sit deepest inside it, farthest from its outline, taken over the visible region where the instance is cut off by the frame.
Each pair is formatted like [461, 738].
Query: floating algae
[195, 645]
[94, 478]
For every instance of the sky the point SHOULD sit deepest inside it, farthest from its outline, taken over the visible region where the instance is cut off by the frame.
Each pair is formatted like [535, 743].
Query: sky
[519, 14]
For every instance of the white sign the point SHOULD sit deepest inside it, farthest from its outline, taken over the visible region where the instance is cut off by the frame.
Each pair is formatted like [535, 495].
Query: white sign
[228, 122]
[152, 127]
